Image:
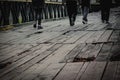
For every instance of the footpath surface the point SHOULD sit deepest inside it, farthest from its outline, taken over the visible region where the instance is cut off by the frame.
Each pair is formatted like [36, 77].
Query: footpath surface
[61, 52]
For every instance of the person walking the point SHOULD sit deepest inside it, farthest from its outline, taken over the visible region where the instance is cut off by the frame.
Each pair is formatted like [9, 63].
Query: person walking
[71, 10]
[85, 5]
[38, 6]
[105, 10]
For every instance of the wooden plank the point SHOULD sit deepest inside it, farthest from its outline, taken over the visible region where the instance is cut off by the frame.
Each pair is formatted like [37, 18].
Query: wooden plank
[50, 72]
[105, 36]
[63, 37]
[8, 36]
[60, 39]
[105, 52]
[94, 52]
[30, 59]
[117, 75]
[9, 49]
[55, 47]
[69, 72]
[76, 36]
[33, 61]
[115, 52]
[94, 71]
[24, 53]
[31, 72]
[110, 71]
[70, 57]
[117, 25]
[19, 69]
[51, 36]
[85, 50]
[66, 36]
[97, 26]
[45, 36]
[29, 30]
[85, 27]
[60, 54]
[91, 50]
[58, 28]
[15, 51]
[114, 37]
[29, 38]
[83, 69]
[94, 26]
[3, 46]
[94, 38]
[28, 64]
[85, 37]
[100, 27]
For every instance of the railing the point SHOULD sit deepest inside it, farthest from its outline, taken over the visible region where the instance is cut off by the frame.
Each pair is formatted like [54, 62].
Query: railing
[21, 11]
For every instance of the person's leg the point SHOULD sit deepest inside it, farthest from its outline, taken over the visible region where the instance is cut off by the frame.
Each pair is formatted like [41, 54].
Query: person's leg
[71, 20]
[85, 12]
[39, 18]
[103, 14]
[69, 11]
[75, 12]
[36, 18]
[83, 21]
[107, 15]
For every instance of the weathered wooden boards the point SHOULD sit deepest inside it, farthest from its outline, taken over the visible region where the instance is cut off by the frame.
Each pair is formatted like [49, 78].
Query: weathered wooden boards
[48, 54]
[112, 71]
[94, 71]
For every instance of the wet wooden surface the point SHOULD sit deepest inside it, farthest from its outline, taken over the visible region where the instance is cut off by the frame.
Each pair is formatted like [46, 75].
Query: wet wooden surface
[50, 54]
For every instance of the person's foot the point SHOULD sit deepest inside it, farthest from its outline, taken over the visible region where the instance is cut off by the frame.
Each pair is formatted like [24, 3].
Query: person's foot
[34, 26]
[107, 22]
[84, 22]
[103, 21]
[72, 22]
[40, 27]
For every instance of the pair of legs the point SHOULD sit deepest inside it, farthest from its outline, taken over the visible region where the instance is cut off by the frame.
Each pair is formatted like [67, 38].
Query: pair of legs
[105, 12]
[85, 11]
[72, 11]
[38, 13]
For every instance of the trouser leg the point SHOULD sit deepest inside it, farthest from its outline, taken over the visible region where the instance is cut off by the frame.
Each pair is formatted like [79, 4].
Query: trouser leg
[75, 13]
[107, 14]
[85, 12]
[102, 15]
[40, 16]
[38, 13]
[69, 11]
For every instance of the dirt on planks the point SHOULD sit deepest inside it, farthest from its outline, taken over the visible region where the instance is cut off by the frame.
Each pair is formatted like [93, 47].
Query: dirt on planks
[88, 59]
[3, 65]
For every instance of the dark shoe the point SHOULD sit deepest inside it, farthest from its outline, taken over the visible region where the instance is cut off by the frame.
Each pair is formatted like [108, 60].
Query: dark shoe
[107, 22]
[103, 21]
[84, 22]
[74, 18]
[40, 27]
[72, 23]
[34, 26]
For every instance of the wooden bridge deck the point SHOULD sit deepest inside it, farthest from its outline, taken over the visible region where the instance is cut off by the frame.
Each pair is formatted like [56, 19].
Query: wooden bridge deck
[61, 52]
